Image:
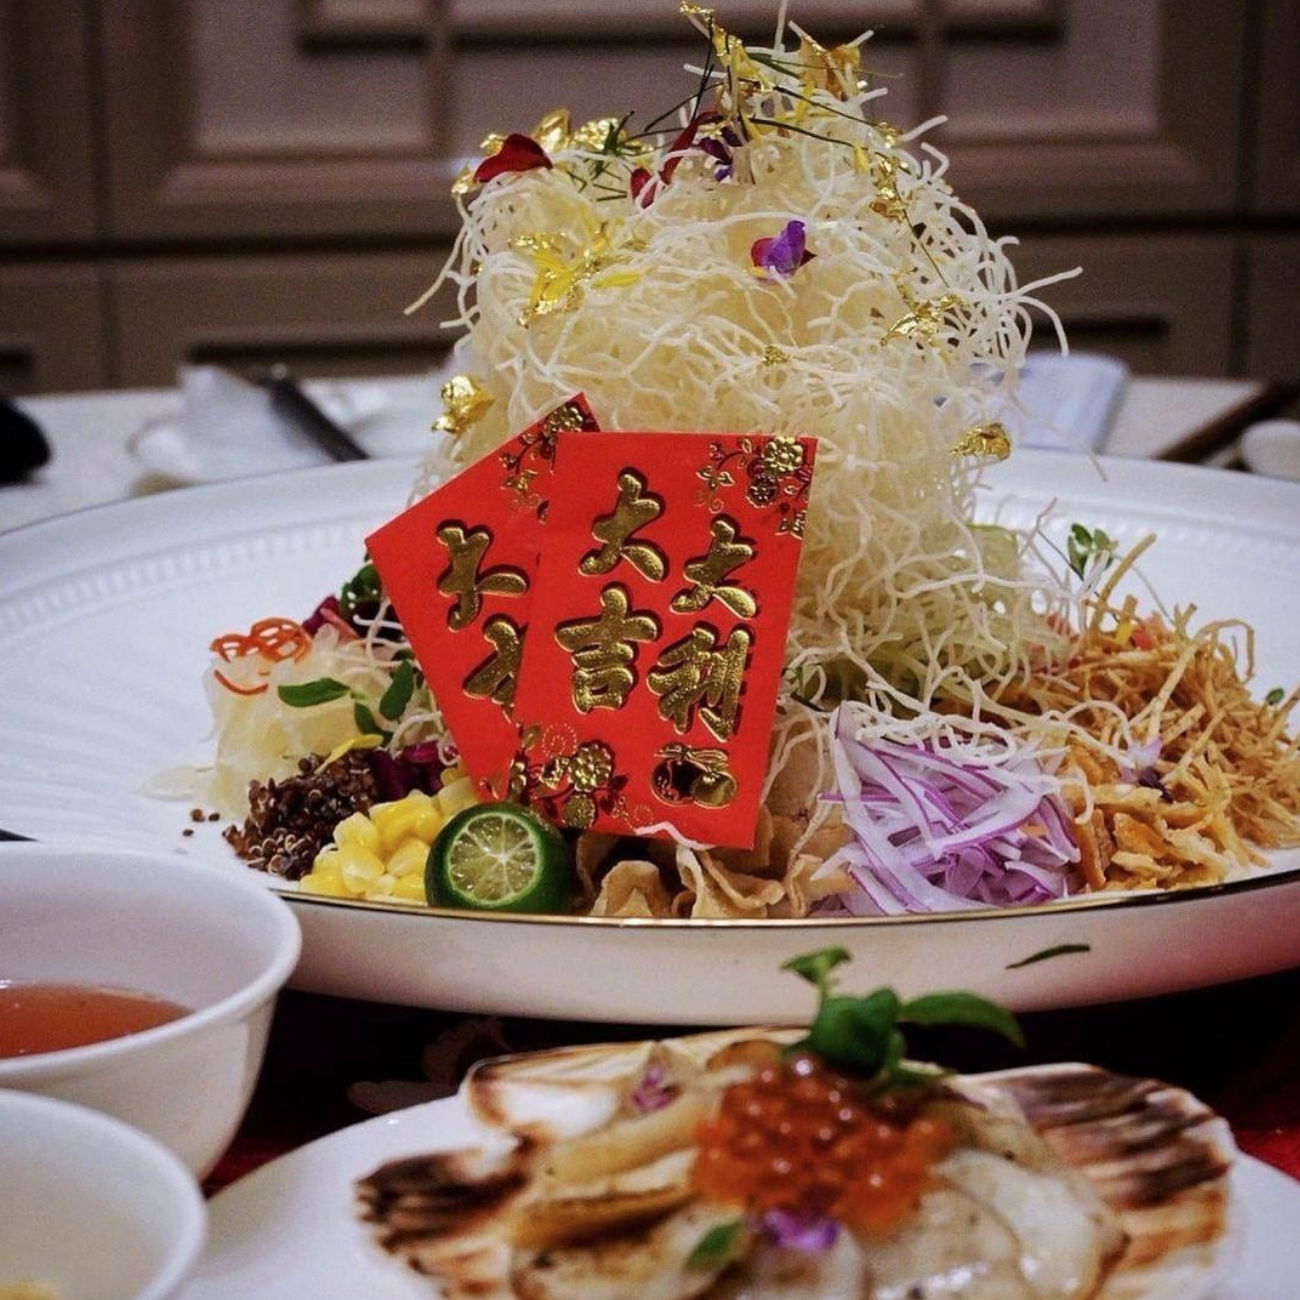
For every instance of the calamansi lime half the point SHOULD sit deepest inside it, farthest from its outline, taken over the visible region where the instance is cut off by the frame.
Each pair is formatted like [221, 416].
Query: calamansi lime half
[499, 858]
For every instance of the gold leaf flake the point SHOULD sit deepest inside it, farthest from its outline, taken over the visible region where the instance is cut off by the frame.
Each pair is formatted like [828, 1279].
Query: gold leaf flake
[774, 356]
[988, 441]
[464, 403]
[924, 319]
[553, 131]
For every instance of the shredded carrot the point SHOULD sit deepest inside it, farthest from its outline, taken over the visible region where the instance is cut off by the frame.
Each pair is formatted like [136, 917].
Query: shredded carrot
[239, 690]
[275, 639]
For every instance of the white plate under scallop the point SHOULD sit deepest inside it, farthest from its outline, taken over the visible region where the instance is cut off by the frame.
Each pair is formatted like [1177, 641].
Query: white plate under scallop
[289, 1231]
[105, 617]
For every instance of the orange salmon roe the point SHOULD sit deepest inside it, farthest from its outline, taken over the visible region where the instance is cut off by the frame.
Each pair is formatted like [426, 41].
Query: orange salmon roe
[800, 1138]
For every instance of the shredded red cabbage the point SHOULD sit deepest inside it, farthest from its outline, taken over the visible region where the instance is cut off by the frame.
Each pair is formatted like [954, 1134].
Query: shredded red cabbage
[935, 834]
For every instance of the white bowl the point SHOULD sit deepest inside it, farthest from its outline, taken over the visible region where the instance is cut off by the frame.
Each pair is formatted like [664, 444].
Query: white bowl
[219, 943]
[1272, 447]
[91, 1207]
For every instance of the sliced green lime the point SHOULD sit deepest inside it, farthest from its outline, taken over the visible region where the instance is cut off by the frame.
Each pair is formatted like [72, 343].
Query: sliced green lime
[499, 858]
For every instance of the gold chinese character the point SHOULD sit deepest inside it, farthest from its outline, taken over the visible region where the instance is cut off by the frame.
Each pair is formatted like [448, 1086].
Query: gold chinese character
[603, 652]
[727, 551]
[633, 511]
[462, 578]
[693, 673]
[495, 677]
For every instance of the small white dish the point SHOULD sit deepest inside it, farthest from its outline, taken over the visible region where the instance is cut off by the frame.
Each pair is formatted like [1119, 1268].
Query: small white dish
[221, 944]
[90, 1207]
[1272, 447]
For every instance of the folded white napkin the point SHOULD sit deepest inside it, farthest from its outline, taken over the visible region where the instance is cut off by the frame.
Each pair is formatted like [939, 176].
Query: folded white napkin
[224, 427]
[1067, 403]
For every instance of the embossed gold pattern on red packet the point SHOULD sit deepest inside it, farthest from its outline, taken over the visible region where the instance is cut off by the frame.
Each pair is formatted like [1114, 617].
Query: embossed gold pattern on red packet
[460, 568]
[657, 629]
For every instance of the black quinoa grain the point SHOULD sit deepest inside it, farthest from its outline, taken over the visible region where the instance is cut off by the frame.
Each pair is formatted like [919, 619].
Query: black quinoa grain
[292, 819]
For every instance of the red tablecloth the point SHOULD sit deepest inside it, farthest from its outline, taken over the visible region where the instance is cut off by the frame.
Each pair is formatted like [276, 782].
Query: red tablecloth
[1237, 1046]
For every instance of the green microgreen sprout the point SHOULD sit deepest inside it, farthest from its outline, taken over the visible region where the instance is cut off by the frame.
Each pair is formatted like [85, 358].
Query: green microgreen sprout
[363, 588]
[1275, 697]
[862, 1035]
[1087, 548]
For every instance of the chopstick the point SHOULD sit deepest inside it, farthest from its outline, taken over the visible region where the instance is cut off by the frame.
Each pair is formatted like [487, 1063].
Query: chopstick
[12, 837]
[290, 401]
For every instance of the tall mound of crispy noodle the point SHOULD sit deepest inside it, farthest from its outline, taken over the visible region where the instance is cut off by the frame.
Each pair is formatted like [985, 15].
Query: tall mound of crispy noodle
[892, 345]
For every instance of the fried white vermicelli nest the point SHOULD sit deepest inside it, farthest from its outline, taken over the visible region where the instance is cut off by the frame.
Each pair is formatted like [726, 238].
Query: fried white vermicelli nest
[1067, 1181]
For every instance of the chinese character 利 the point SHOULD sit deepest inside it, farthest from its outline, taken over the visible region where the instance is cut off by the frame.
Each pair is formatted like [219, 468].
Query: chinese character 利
[694, 674]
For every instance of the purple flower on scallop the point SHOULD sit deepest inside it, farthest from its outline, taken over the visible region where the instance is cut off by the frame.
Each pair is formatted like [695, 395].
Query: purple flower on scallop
[781, 255]
[799, 1232]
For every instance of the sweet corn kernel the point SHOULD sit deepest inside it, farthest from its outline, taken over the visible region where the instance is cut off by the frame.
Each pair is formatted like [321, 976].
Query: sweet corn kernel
[360, 867]
[459, 794]
[382, 887]
[409, 856]
[428, 822]
[327, 863]
[394, 821]
[409, 889]
[358, 830]
[330, 886]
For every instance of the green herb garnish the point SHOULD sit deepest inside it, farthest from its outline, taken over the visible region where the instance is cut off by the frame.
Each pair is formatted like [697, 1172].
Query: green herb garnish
[399, 692]
[321, 691]
[718, 1246]
[1047, 953]
[362, 588]
[862, 1034]
[1086, 548]
[366, 723]
[1275, 696]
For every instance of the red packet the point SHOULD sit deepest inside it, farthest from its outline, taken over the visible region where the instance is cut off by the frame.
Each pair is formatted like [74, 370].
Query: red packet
[657, 632]
[460, 567]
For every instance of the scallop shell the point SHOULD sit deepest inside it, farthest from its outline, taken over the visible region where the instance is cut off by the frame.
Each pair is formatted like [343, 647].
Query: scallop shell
[1155, 1154]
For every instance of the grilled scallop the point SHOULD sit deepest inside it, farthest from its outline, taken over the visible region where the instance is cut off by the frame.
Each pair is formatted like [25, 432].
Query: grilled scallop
[1066, 1182]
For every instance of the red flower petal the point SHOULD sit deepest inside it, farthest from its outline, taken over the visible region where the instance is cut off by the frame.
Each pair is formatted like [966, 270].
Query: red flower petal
[518, 153]
[643, 187]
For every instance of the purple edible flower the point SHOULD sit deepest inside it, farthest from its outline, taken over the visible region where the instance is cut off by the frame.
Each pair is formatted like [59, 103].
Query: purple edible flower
[653, 1092]
[783, 254]
[798, 1231]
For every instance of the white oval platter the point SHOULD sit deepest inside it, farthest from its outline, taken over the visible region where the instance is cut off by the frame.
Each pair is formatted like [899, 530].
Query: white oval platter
[105, 618]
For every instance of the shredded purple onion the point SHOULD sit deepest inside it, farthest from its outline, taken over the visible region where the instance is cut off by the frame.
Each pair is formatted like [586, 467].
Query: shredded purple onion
[653, 1092]
[935, 834]
[799, 1232]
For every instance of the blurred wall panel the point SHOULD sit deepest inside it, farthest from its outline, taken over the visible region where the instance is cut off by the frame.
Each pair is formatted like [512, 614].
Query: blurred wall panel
[53, 328]
[251, 133]
[1163, 304]
[1277, 167]
[319, 314]
[1272, 334]
[1131, 109]
[47, 173]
